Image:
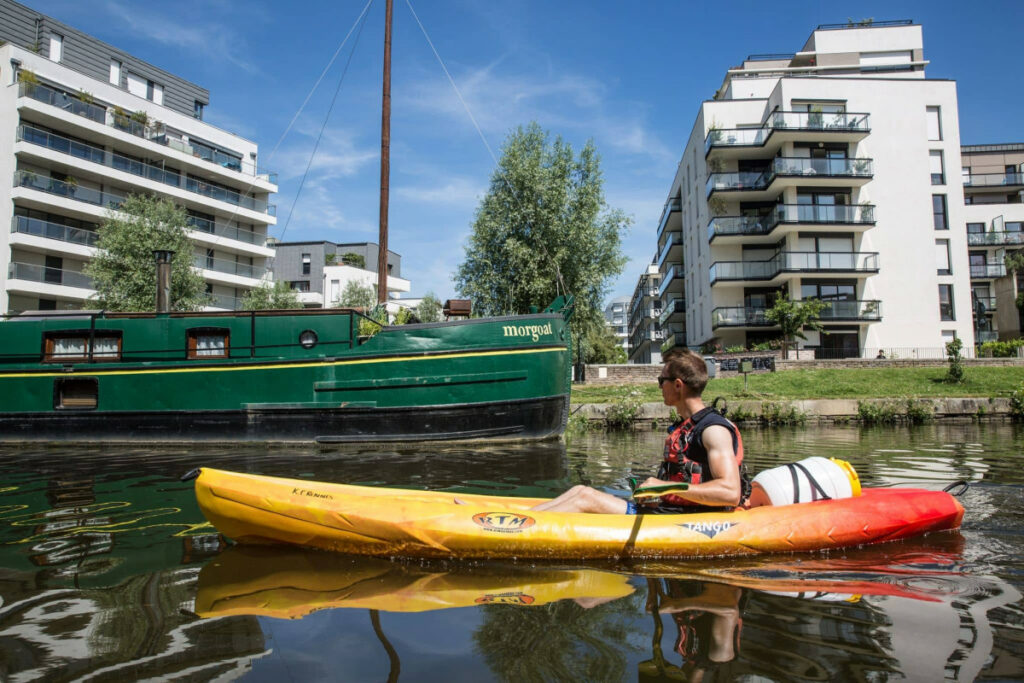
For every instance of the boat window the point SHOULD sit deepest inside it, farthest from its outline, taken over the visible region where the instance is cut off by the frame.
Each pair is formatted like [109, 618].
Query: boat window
[76, 394]
[70, 347]
[208, 342]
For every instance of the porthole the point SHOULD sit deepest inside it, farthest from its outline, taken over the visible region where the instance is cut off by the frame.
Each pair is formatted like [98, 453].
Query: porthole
[308, 339]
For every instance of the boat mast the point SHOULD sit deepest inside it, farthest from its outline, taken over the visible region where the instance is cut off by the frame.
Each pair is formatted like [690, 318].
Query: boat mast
[385, 163]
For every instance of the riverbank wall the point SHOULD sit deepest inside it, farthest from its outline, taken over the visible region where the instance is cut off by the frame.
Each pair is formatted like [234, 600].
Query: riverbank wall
[826, 411]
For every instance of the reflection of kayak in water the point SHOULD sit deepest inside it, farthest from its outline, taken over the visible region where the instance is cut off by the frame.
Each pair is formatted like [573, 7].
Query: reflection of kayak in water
[290, 583]
[396, 522]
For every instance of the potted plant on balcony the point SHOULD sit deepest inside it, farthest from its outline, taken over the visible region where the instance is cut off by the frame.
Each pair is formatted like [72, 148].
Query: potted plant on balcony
[715, 132]
[860, 166]
[717, 206]
[85, 97]
[71, 184]
[814, 117]
[121, 119]
[29, 79]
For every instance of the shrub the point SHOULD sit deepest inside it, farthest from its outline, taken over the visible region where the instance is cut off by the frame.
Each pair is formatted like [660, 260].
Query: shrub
[955, 374]
[739, 348]
[623, 411]
[919, 411]
[886, 412]
[578, 423]
[1000, 349]
[781, 414]
[1017, 403]
[741, 414]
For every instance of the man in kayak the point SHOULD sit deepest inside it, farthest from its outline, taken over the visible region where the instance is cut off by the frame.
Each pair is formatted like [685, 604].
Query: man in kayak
[703, 449]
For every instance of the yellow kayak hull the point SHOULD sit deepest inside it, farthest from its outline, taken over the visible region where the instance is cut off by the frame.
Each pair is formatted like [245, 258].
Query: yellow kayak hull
[386, 522]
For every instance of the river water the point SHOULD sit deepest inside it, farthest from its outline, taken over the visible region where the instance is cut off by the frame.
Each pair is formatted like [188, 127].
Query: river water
[109, 572]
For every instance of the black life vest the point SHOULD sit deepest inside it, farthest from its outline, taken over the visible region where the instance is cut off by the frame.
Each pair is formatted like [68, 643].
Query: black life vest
[686, 459]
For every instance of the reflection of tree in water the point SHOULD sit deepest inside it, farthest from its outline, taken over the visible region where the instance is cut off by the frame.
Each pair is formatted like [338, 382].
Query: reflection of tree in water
[560, 641]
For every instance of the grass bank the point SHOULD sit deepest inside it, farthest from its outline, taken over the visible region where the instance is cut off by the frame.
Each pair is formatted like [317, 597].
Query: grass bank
[795, 385]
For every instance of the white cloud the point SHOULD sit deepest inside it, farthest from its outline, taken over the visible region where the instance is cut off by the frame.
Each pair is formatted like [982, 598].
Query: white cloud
[457, 191]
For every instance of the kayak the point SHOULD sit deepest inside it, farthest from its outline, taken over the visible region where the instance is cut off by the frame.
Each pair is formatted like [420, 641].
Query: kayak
[387, 522]
[290, 583]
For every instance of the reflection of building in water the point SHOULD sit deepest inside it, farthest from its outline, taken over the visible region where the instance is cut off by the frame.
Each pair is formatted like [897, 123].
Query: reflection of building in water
[136, 630]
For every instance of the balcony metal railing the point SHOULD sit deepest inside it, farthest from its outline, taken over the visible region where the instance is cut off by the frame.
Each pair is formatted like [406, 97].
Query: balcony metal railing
[982, 336]
[100, 156]
[795, 261]
[840, 122]
[125, 123]
[53, 276]
[54, 231]
[790, 166]
[994, 237]
[229, 231]
[993, 179]
[854, 214]
[230, 267]
[988, 270]
[69, 190]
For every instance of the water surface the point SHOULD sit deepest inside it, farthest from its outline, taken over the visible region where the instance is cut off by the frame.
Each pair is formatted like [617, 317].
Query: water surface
[109, 572]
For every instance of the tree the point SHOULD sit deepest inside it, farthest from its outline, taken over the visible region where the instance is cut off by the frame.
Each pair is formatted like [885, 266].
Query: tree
[123, 270]
[795, 315]
[268, 297]
[429, 309]
[601, 346]
[543, 229]
[350, 258]
[357, 295]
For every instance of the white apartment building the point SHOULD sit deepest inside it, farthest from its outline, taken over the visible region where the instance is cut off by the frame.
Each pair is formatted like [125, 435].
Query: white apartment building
[813, 174]
[645, 333]
[616, 315]
[82, 125]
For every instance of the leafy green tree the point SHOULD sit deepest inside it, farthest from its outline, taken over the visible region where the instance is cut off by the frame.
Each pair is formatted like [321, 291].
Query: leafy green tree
[429, 309]
[357, 295]
[123, 270]
[602, 346]
[268, 297]
[793, 316]
[543, 229]
[350, 258]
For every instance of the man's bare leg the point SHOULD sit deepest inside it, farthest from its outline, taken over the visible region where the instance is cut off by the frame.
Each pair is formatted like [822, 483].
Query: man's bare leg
[584, 499]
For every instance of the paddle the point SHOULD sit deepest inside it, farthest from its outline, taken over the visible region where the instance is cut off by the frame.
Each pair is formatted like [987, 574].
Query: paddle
[648, 492]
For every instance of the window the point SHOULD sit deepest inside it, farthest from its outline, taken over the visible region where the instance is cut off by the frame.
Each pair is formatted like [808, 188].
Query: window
[946, 302]
[939, 212]
[197, 110]
[934, 123]
[56, 47]
[942, 257]
[975, 228]
[299, 285]
[965, 174]
[154, 92]
[305, 264]
[73, 346]
[136, 85]
[75, 394]
[209, 259]
[208, 342]
[115, 72]
[935, 163]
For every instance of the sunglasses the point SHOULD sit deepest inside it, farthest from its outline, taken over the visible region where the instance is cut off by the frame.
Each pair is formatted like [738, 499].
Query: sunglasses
[662, 379]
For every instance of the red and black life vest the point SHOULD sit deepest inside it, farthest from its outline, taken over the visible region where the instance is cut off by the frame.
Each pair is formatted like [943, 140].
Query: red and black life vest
[686, 459]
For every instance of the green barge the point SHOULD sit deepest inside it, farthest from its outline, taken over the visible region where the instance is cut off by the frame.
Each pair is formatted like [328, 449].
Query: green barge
[282, 376]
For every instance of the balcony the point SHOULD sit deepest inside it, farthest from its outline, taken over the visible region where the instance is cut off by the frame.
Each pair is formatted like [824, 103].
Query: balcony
[228, 231]
[673, 310]
[50, 276]
[868, 310]
[672, 251]
[994, 238]
[982, 336]
[983, 304]
[154, 133]
[219, 265]
[987, 271]
[994, 181]
[68, 190]
[673, 281]
[225, 302]
[102, 157]
[794, 262]
[751, 185]
[726, 227]
[782, 126]
[54, 231]
[670, 215]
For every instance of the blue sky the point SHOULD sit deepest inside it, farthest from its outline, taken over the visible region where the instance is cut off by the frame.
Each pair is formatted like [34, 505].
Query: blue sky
[629, 75]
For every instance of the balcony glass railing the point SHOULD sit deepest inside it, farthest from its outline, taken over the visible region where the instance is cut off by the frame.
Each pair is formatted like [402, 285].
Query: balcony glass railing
[840, 122]
[228, 266]
[229, 231]
[675, 306]
[54, 231]
[68, 103]
[789, 166]
[757, 316]
[100, 156]
[993, 179]
[672, 206]
[154, 133]
[982, 336]
[674, 275]
[733, 316]
[229, 303]
[669, 244]
[69, 190]
[795, 261]
[990, 270]
[994, 237]
[868, 309]
[983, 304]
[723, 226]
[52, 276]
